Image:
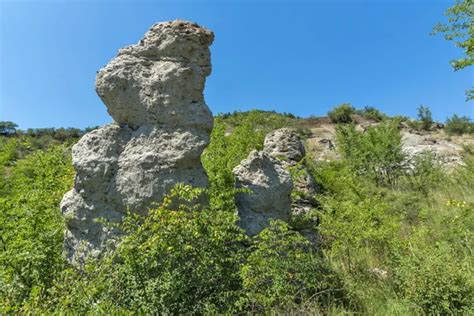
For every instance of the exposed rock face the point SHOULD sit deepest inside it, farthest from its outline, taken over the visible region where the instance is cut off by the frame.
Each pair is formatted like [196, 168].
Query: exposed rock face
[446, 153]
[270, 185]
[267, 175]
[284, 144]
[154, 92]
[160, 80]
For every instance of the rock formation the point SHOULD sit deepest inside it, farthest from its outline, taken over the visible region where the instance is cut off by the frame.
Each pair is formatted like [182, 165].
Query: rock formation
[270, 189]
[154, 92]
[272, 175]
[284, 144]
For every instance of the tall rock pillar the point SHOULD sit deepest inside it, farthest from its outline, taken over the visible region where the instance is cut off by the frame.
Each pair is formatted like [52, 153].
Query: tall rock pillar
[154, 92]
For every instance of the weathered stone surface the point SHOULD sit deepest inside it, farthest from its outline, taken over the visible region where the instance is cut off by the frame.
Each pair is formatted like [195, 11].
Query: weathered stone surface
[161, 79]
[270, 189]
[447, 153]
[154, 92]
[284, 144]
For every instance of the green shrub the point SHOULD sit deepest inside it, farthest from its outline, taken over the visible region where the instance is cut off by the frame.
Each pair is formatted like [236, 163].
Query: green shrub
[227, 151]
[356, 222]
[425, 173]
[284, 272]
[457, 125]
[374, 209]
[342, 113]
[435, 281]
[176, 260]
[31, 225]
[372, 114]
[375, 153]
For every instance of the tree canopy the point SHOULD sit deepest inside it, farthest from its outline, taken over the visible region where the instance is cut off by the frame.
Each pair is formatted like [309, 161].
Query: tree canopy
[460, 30]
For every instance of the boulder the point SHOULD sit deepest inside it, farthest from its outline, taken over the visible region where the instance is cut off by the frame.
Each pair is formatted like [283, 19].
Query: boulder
[284, 144]
[269, 186]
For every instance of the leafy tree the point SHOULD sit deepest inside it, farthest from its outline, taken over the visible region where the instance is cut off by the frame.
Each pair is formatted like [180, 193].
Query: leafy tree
[7, 128]
[425, 117]
[460, 29]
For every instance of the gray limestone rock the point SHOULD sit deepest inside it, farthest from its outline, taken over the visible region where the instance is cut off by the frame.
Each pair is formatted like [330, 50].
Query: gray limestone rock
[284, 144]
[154, 92]
[161, 79]
[270, 189]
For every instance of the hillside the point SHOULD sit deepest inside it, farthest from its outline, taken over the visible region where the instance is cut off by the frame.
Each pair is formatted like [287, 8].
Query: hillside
[394, 228]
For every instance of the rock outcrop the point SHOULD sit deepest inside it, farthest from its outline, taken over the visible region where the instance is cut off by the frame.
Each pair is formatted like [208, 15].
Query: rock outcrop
[154, 93]
[271, 176]
[285, 145]
[448, 154]
[270, 191]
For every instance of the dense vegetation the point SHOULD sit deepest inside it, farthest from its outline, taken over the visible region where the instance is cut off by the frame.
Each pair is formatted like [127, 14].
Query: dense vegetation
[396, 234]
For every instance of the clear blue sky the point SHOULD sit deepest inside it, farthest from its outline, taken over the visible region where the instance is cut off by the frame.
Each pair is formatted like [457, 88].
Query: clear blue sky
[290, 56]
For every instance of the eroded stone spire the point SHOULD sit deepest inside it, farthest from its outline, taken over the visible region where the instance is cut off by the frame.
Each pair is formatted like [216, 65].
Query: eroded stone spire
[154, 92]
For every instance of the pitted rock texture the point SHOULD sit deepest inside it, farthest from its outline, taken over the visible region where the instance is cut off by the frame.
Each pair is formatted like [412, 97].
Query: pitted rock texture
[154, 92]
[161, 79]
[270, 192]
[285, 145]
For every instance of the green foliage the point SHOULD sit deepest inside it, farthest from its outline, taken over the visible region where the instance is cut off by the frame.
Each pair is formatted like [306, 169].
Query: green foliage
[234, 136]
[375, 153]
[457, 125]
[425, 118]
[425, 173]
[31, 226]
[261, 120]
[372, 114]
[177, 261]
[7, 128]
[460, 30]
[224, 153]
[395, 236]
[284, 271]
[341, 114]
[435, 281]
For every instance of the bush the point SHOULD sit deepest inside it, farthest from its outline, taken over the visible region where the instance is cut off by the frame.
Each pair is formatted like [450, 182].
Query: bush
[425, 173]
[31, 225]
[372, 114]
[394, 236]
[375, 153]
[284, 272]
[459, 125]
[342, 113]
[176, 260]
[435, 281]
